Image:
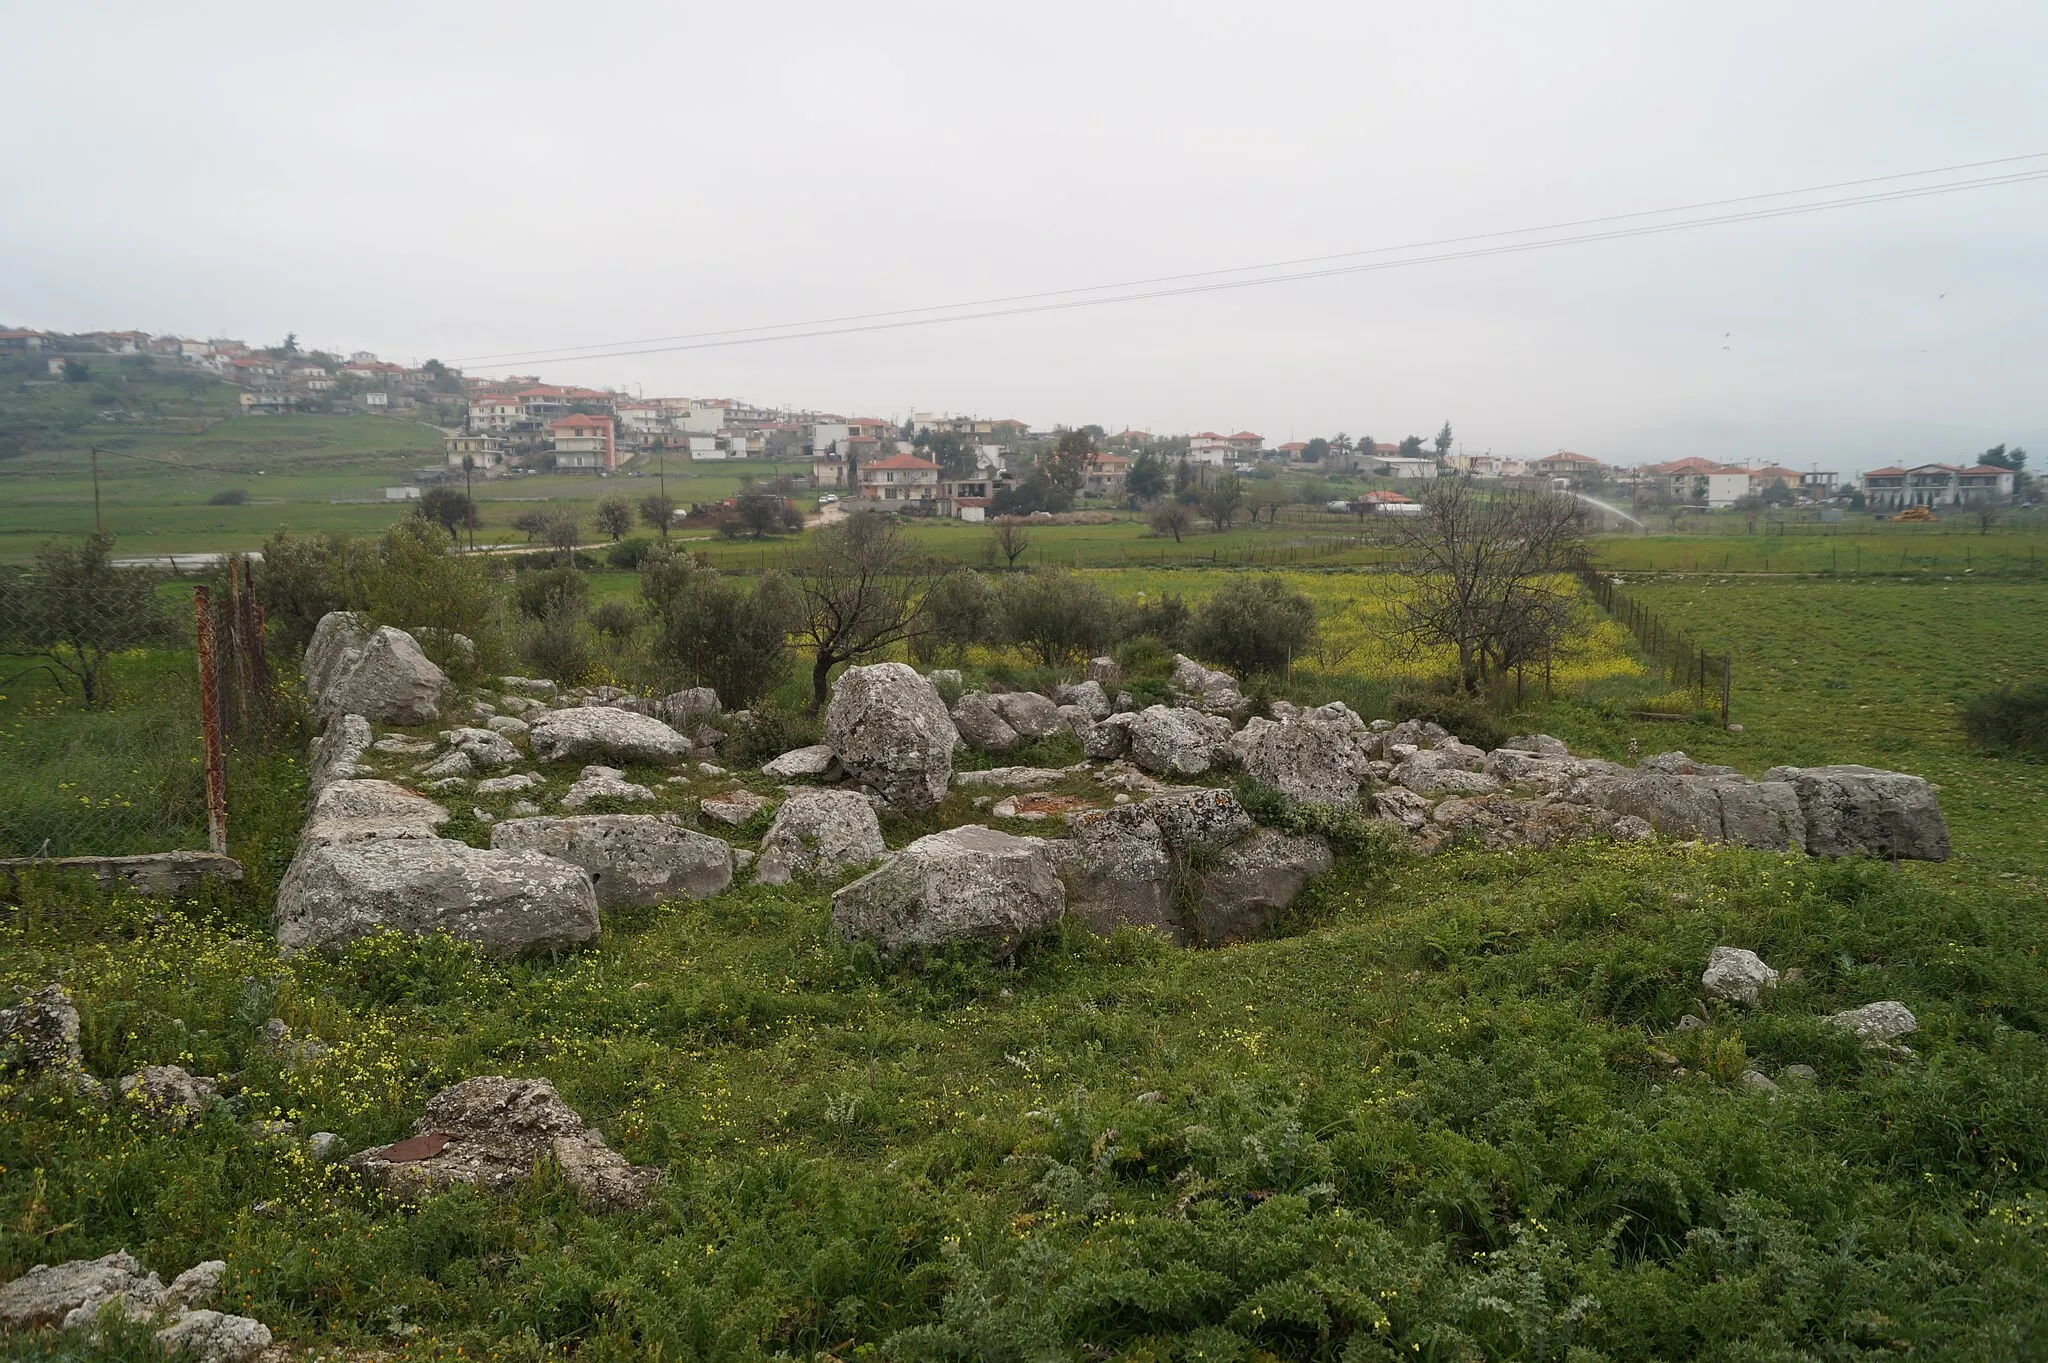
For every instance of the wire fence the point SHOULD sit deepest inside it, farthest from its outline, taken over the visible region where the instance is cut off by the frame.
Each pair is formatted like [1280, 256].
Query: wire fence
[119, 694]
[1709, 676]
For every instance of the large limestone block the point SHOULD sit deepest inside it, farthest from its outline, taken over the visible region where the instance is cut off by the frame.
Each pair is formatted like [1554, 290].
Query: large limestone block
[352, 667]
[892, 733]
[1710, 808]
[1311, 757]
[633, 859]
[1256, 880]
[981, 725]
[1030, 714]
[965, 884]
[820, 833]
[591, 732]
[1204, 689]
[1176, 741]
[1852, 810]
[508, 903]
[1141, 865]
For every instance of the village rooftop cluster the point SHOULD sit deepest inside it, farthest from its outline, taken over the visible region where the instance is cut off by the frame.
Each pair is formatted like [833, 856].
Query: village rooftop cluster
[935, 464]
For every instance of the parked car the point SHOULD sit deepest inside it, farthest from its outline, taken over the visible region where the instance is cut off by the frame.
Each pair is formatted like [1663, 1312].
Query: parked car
[828, 499]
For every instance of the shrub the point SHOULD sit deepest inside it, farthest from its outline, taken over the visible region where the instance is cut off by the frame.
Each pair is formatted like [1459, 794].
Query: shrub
[1165, 618]
[616, 620]
[1255, 624]
[232, 496]
[770, 731]
[716, 633]
[1466, 716]
[557, 646]
[961, 609]
[2010, 719]
[1057, 615]
[551, 591]
[410, 578]
[628, 554]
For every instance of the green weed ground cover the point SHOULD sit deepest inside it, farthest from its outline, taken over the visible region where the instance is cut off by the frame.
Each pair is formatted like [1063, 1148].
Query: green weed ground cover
[1446, 1114]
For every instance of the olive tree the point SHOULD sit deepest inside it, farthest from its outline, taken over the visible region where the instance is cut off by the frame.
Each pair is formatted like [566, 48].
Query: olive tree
[860, 588]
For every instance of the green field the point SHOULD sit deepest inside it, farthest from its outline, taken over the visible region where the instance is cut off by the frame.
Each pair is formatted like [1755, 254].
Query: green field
[1444, 1114]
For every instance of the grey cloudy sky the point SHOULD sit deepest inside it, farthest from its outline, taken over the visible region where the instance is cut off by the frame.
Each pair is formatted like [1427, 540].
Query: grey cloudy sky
[458, 179]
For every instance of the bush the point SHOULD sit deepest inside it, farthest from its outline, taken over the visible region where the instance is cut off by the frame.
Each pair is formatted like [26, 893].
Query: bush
[1165, 618]
[1254, 624]
[1057, 615]
[557, 646]
[961, 610]
[616, 620]
[233, 496]
[2010, 719]
[770, 731]
[628, 554]
[1466, 716]
[714, 632]
[551, 591]
[410, 578]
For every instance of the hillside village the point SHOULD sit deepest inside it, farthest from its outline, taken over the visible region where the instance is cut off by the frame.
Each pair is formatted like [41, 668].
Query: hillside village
[965, 467]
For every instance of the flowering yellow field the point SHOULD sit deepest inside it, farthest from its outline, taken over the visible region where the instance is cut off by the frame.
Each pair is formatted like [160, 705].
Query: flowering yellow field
[1358, 635]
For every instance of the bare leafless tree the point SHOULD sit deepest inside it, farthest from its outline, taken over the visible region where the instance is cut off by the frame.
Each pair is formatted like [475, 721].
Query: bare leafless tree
[1171, 516]
[1485, 577]
[1010, 538]
[862, 586]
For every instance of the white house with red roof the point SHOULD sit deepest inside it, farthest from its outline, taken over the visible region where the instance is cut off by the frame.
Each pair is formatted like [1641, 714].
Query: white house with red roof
[583, 443]
[1207, 447]
[1565, 464]
[900, 482]
[1937, 485]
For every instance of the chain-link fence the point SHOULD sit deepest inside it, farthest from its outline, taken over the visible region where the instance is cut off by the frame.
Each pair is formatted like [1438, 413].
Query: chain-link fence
[108, 677]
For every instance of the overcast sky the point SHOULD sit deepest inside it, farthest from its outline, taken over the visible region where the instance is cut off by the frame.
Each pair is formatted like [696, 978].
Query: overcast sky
[458, 180]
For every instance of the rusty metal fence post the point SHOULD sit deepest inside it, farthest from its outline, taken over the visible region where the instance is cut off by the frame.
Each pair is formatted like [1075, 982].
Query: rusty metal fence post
[209, 723]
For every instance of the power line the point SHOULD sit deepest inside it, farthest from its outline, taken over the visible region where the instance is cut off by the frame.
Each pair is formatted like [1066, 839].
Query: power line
[906, 319]
[564, 351]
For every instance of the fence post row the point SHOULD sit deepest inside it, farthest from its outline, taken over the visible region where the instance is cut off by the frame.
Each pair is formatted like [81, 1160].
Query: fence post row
[1684, 661]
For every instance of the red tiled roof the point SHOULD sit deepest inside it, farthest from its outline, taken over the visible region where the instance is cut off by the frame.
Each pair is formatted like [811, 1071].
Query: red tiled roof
[1383, 497]
[579, 422]
[1891, 472]
[1247, 435]
[1986, 468]
[1295, 445]
[900, 461]
[1567, 454]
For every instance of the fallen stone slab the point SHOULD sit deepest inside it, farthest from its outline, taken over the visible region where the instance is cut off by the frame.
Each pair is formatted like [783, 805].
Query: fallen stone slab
[360, 809]
[966, 884]
[633, 859]
[816, 762]
[506, 785]
[819, 833]
[1007, 778]
[684, 708]
[1203, 688]
[734, 807]
[603, 783]
[1108, 739]
[1037, 805]
[1428, 772]
[605, 731]
[486, 748]
[1088, 695]
[493, 1132]
[508, 903]
[1862, 811]
[893, 734]
[149, 873]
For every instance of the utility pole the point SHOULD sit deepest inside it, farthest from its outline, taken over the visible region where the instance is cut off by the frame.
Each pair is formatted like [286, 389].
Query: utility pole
[99, 526]
[661, 473]
[469, 503]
